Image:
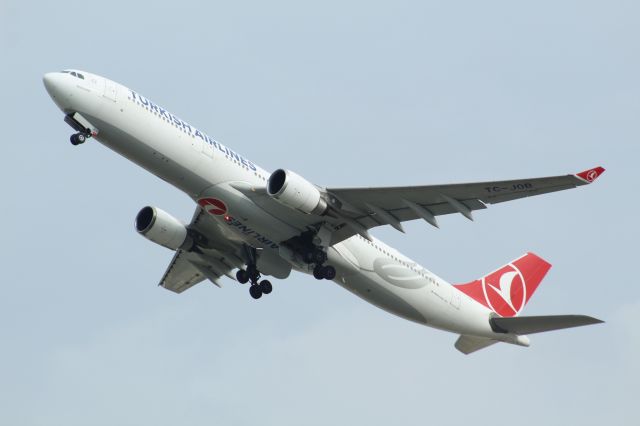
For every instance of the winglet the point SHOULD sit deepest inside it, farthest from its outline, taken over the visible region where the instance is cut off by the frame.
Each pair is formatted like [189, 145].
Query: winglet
[590, 175]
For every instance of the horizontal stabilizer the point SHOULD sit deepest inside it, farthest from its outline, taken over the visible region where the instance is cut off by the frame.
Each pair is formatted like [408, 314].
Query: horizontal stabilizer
[469, 344]
[538, 324]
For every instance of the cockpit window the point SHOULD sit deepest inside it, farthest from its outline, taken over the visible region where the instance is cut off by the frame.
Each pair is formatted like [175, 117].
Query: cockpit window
[73, 73]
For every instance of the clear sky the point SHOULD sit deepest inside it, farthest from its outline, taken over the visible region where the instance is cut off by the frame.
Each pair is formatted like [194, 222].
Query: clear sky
[347, 94]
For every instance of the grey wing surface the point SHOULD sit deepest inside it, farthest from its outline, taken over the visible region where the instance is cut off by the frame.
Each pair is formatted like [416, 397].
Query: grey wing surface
[363, 208]
[216, 257]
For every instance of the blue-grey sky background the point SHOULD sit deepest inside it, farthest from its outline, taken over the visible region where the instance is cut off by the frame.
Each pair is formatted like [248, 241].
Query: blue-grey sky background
[355, 93]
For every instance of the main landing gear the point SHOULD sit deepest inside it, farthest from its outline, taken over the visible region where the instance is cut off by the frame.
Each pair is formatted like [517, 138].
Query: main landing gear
[257, 288]
[251, 274]
[313, 254]
[324, 272]
[321, 271]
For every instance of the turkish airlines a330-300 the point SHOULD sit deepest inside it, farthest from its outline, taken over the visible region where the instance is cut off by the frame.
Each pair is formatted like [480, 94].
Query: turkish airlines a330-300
[249, 223]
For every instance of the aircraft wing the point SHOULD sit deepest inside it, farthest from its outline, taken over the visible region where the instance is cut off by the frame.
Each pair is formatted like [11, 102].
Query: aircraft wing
[189, 268]
[216, 257]
[181, 274]
[363, 208]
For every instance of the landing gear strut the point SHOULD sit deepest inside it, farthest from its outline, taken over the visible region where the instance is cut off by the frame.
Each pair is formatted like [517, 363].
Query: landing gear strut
[251, 274]
[81, 126]
[316, 256]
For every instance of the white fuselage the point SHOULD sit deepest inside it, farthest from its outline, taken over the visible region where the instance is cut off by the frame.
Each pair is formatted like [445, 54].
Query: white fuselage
[187, 158]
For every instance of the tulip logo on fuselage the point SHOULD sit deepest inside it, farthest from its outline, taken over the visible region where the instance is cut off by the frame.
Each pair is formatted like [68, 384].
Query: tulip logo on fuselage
[213, 206]
[398, 275]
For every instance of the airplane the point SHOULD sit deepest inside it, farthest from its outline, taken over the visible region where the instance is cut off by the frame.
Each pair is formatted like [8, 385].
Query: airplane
[260, 224]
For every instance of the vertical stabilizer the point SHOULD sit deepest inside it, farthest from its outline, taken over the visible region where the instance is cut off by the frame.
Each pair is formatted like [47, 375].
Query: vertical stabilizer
[507, 290]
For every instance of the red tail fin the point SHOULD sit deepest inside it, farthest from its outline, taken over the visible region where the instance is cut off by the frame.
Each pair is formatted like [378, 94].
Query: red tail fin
[508, 289]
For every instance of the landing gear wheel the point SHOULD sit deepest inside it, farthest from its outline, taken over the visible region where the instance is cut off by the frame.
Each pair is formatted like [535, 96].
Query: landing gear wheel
[255, 291]
[77, 139]
[266, 287]
[242, 276]
[328, 272]
[318, 272]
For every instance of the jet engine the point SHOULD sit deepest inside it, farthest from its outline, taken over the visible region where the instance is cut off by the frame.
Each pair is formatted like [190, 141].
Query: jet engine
[162, 228]
[294, 191]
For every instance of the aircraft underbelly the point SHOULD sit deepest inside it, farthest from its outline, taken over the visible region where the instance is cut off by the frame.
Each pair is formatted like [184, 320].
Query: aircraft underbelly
[399, 288]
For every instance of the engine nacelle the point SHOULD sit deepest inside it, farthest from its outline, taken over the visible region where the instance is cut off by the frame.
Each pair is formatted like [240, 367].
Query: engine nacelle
[294, 191]
[162, 228]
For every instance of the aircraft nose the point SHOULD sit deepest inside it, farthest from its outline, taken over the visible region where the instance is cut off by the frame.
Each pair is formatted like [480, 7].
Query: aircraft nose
[51, 83]
[55, 85]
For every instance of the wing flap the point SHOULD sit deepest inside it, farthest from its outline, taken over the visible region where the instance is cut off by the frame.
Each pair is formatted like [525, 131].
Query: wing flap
[215, 257]
[190, 268]
[181, 275]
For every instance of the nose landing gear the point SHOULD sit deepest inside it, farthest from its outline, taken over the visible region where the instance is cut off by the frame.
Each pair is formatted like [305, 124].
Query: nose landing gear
[78, 138]
[84, 129]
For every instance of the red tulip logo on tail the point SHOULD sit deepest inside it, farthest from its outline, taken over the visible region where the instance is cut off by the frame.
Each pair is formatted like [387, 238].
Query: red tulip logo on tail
[506, 290]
